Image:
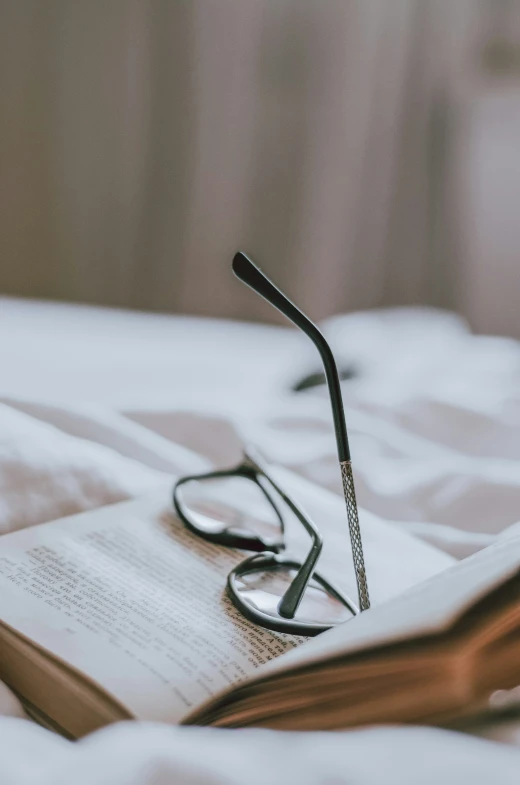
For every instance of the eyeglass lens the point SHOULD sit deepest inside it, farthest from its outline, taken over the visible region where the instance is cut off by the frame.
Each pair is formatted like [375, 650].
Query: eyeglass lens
[234, 505]
[263, 589]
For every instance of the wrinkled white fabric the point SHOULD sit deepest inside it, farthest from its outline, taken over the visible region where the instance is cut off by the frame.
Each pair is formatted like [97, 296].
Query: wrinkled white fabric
[158, 755]
[99, 405]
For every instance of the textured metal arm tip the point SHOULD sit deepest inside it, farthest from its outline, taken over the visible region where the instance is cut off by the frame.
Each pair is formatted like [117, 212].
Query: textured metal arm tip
[355, 534]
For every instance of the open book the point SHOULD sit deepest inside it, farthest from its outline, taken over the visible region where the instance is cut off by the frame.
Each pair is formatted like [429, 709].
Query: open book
[122, 613]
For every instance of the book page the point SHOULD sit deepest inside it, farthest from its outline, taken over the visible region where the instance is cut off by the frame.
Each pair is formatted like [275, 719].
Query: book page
[132, 599]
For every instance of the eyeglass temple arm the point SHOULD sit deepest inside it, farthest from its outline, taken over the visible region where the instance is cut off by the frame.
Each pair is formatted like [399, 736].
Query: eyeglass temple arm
[250, 274]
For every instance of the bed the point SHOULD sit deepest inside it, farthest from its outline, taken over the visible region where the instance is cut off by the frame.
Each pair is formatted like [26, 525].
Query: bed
[98, 405]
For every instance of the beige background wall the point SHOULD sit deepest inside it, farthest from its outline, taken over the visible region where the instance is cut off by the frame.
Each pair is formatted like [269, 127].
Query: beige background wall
[143, 141]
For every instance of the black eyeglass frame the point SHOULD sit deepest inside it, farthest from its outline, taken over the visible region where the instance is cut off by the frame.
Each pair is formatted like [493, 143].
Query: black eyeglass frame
[268, 555]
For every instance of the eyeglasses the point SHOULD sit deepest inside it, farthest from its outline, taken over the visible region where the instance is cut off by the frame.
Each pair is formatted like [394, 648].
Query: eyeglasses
[245, 508]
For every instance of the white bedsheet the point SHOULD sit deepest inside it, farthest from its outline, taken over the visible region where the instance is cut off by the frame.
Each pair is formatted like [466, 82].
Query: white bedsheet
[99, 405]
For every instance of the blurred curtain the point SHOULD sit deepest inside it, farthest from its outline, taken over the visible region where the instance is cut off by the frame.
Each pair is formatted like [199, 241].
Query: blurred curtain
[143, 141]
